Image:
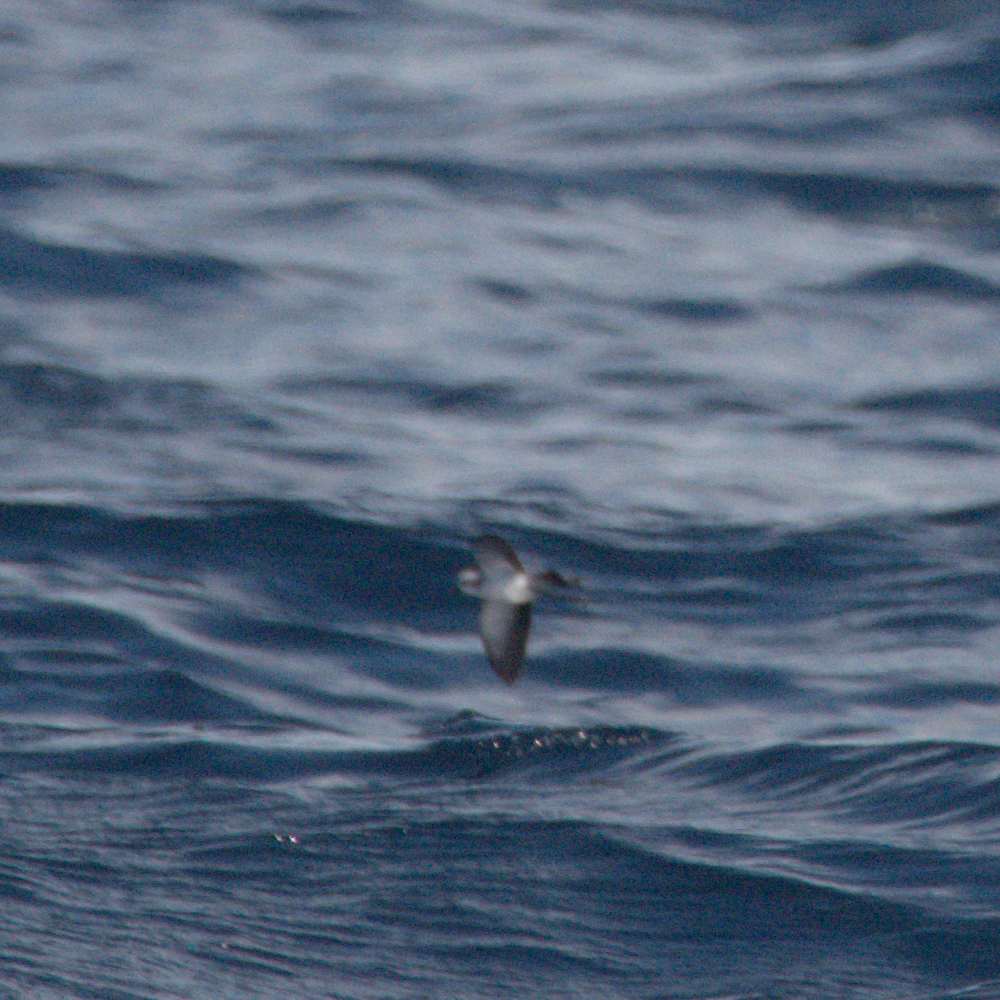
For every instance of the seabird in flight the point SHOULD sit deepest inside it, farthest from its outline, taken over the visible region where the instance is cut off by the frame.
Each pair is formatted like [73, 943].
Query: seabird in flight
[506, 589]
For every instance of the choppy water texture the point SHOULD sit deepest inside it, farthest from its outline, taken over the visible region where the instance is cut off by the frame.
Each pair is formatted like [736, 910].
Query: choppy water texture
[696, 301]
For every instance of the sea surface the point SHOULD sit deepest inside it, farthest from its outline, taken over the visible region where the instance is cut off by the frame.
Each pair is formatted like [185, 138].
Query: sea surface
[697, 301]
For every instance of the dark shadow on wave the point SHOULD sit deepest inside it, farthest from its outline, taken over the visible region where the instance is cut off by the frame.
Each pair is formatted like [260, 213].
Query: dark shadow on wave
[34, 270]
[64, 646]
[326, 570]
[894, 783]
[671, 921]
[649, 378]
[304, 15]
[170, 696]
[840, 553]
[967, 950]
[18, 178]
[702, 572]
[461, 725]
[980, 404]
[857, 199]
[631, 922]
[861, 199]
[955, 449]
[332, 457]
[969, 85]
[315, 19]
[542, 753]
[52, 391]
[318, 211]
[137, 696]
[932, 694]
[56, 396]
[75, 622]
[721, 406]
[318, 560]
[928, 622]
[690, 685]
[481, 181]
[921, 278]
[545, 752]
[323, 569]
[396, 664]
[980, 515]
[486, 400]
[699, 311]
[505, 291]
[855, 23]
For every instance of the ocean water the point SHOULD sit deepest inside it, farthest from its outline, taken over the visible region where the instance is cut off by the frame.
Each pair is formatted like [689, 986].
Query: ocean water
[697, 301]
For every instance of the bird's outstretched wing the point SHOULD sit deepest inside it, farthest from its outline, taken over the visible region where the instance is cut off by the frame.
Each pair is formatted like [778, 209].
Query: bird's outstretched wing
[504, 629]
[551, 582]
[496, 558]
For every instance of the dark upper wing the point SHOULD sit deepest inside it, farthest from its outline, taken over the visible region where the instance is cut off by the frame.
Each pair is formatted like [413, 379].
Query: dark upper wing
[504, 628]
[551, 582]
[495, 556]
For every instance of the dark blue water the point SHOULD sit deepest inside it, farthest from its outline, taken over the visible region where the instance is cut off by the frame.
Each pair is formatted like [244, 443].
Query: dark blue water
[696, 301]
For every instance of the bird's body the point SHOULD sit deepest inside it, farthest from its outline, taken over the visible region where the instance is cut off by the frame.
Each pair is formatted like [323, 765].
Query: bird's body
[506, 590]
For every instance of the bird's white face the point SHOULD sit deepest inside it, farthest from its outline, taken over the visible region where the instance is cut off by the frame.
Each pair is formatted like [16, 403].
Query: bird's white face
[470, 581]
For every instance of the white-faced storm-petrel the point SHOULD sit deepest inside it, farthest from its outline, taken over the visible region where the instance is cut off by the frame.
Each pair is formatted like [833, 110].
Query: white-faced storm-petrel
[506, 589]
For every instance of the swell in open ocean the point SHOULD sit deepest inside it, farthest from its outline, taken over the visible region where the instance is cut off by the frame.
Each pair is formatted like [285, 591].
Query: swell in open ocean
[236, 772]
[695, 302]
